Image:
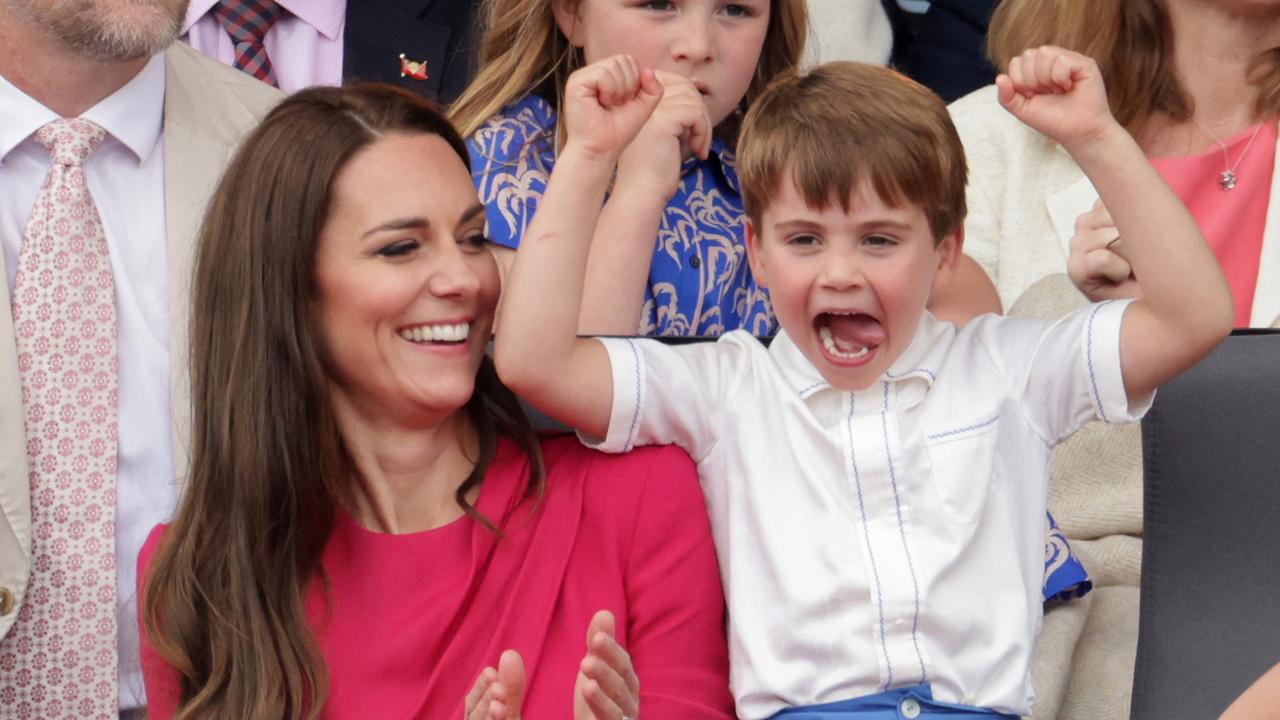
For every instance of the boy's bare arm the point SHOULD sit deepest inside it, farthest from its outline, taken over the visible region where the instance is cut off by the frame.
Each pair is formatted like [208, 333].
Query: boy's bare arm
[536, 348]
[1186, 307]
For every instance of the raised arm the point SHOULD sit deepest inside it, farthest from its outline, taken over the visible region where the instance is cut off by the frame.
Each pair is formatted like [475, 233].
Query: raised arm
[648, 175]
[536, 348]
[1186, 307]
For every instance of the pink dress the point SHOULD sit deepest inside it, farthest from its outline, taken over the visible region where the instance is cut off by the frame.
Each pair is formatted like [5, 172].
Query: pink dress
[411, 619]
[1232, 220]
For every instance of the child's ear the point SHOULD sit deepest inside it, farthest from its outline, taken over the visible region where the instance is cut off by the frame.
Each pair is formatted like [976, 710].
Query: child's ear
[949, 251]
[566, 13]
[754, 256]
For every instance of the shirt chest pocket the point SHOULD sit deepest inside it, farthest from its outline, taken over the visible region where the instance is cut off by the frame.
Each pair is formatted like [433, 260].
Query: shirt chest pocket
[962, 457]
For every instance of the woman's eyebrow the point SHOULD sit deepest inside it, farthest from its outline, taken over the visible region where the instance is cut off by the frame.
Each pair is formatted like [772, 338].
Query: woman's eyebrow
[471, 212]
[400, 224]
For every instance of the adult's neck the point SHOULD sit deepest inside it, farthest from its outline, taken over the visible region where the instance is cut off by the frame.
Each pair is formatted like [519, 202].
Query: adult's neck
[62, 80]
[1217, 44]
[408, 468]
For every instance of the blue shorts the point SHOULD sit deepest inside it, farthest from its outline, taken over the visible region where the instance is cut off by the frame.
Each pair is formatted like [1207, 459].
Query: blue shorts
[907, 703]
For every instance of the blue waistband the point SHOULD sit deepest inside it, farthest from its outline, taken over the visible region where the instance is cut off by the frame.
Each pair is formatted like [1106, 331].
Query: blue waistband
[907, 703]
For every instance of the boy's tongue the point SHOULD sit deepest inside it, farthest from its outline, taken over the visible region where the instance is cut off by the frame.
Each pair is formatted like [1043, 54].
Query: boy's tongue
[851, 333]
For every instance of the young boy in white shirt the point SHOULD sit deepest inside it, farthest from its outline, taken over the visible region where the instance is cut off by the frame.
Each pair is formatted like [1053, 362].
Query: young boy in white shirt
[876, 478]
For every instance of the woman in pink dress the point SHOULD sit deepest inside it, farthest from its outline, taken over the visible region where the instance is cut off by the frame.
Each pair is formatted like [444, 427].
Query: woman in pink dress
[369, 521]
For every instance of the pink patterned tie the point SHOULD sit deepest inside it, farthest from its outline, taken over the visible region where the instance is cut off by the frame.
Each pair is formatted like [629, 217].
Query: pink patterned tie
[59, 659]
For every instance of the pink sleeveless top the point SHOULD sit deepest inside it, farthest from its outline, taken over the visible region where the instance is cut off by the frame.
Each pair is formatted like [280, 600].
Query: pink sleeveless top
[1232, 220]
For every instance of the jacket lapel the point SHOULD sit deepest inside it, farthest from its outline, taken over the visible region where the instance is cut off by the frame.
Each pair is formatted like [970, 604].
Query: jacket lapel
[1065, 206]
[203, 123]
[377, 32]
[15, 489]
[1266, 295]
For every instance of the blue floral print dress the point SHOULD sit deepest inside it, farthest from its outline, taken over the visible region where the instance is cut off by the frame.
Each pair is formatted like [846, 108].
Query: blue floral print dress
[699, 282]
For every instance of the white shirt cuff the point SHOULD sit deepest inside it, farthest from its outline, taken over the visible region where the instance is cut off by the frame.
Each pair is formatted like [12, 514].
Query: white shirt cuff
[1102, 363]
[628, 392]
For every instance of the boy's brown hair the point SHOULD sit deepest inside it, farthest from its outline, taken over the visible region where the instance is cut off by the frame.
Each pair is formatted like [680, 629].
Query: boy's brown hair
[843, 122]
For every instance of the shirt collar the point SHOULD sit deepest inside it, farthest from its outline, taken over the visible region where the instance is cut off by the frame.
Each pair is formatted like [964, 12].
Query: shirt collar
[20, 116]
[918, 364]
[133, 115]
[720, 156]
[325, 16]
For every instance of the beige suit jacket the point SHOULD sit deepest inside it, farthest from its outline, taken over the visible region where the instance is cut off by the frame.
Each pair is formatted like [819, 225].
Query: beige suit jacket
[1025, 193]
[208, 108]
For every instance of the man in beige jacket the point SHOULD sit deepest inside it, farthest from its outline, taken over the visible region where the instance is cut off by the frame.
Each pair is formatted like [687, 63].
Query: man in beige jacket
[172, 119]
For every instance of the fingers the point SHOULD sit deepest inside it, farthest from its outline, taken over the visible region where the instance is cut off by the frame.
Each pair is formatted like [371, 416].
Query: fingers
[1045, 70]
[1107, 265]
[1095, 219]
[512, 683]
[610, 686]
[685, 112]
[618, 80]
[1096, 263]
[477, 701]
[651, 89]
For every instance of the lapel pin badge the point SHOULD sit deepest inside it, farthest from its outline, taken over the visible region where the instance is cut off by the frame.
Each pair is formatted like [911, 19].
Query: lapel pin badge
[412, 68]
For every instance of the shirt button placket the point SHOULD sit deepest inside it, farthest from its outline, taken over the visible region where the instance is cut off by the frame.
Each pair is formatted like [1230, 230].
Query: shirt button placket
[909, 709]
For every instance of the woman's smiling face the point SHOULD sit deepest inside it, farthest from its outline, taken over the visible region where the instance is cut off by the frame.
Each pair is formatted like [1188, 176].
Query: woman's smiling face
[406, 287]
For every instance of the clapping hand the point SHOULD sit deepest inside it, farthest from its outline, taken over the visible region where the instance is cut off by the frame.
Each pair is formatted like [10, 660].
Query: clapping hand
[606, 687]
[606, 103]
[1059, 93]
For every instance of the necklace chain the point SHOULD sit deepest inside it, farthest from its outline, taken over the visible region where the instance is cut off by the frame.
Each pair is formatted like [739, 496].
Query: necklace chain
[1227, 178]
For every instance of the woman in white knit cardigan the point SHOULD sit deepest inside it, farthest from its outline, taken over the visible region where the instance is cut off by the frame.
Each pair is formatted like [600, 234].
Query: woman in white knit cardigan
[1188, 78]
[1196, 82]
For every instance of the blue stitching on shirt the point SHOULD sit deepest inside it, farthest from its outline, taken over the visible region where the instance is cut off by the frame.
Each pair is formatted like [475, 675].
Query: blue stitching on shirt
[902, 529]
[635, 414]
[958, 431]
[811, 388]
[857, 480]
[1093, 380]
[926, 371]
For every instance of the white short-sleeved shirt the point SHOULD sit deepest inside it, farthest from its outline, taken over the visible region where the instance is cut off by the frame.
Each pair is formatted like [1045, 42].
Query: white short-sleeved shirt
[885, 537]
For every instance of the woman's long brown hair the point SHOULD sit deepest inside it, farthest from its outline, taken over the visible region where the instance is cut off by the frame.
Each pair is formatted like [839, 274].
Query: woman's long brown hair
[1132, 42]
[224, 599]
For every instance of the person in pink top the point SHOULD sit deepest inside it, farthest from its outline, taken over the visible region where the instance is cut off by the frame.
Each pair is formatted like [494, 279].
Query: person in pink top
[370, 527]
[1197, 84]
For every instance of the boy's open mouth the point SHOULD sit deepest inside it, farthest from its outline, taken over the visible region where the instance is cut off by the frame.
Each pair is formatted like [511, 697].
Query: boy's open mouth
[848, 336]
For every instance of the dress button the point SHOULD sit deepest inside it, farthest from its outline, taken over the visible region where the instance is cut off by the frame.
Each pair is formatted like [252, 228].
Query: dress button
[910, 709]
[6, 601]
[695, 262]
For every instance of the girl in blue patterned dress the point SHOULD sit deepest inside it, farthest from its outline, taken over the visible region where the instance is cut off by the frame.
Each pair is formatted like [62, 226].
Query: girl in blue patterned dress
[676, 182]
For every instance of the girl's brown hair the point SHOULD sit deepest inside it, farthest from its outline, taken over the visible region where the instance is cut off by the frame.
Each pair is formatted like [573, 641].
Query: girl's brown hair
[224, 599]
[522, 51]
[1132, 42]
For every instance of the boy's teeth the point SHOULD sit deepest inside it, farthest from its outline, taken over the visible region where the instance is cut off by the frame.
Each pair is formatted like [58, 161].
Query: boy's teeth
[829, 343]
[456, 332]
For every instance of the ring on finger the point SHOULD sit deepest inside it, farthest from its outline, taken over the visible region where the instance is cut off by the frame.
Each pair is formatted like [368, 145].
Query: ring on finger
[1113, 242]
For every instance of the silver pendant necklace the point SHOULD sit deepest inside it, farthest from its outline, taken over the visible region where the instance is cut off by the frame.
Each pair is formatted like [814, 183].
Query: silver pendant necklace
[1227, 178]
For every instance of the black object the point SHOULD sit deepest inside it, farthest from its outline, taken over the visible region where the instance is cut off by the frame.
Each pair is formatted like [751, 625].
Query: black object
[440, 32]
[1210, 615]
[949, 52]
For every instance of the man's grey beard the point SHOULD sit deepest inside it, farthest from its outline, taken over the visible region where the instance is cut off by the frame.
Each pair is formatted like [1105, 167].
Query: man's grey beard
[113, 30]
